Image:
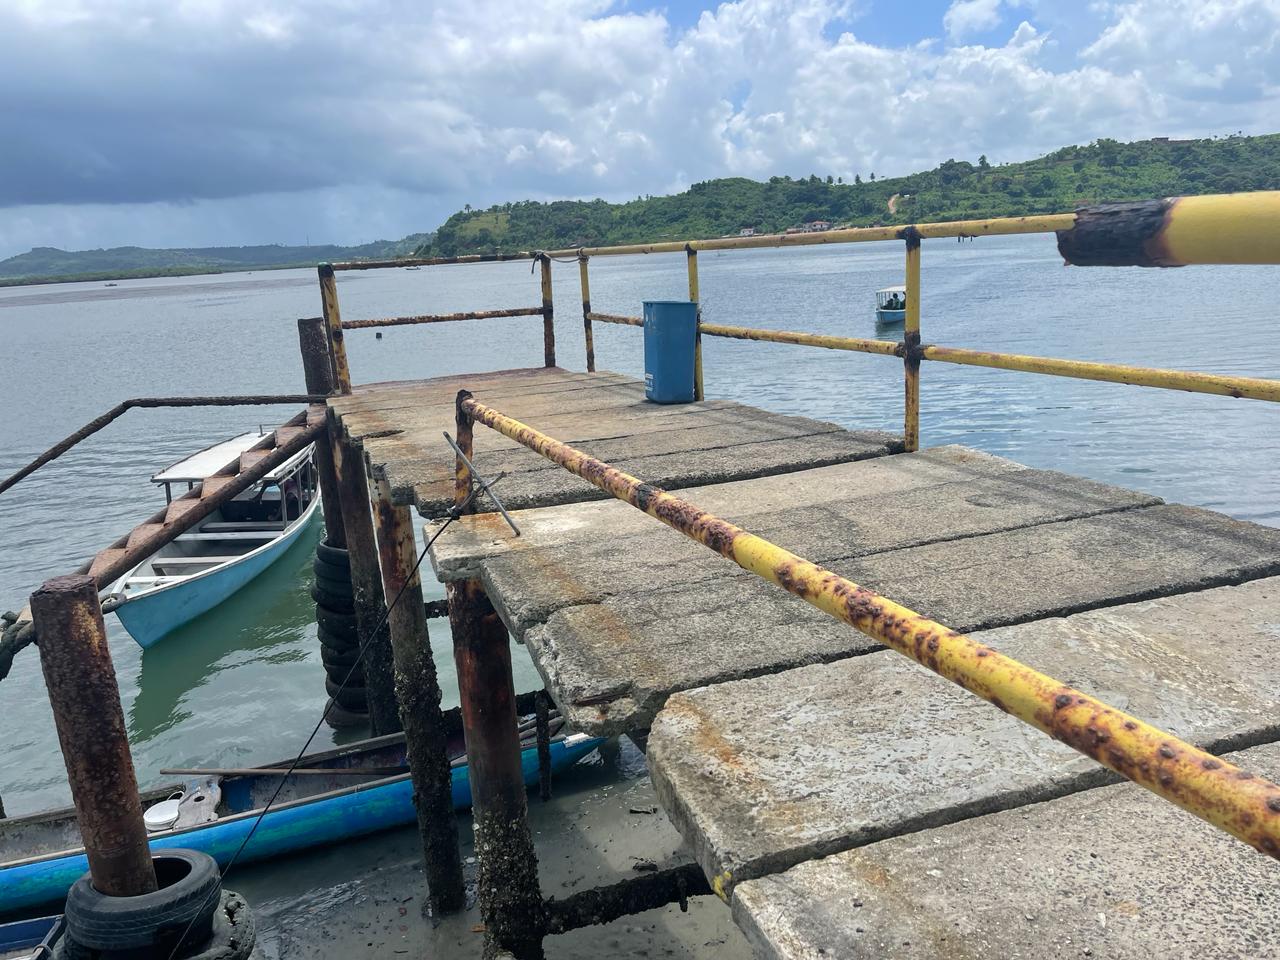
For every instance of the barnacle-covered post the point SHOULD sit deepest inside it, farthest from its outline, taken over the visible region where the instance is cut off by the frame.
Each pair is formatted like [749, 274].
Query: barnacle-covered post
[548, 314]
[586, 312]
[81, 681]
[691, 256]
[366, 583]
[510, 898]
[911, 343]
[418, 694]
[333, 326]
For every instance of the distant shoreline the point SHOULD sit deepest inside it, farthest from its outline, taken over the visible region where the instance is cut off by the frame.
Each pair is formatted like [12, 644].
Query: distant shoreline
[144, 273]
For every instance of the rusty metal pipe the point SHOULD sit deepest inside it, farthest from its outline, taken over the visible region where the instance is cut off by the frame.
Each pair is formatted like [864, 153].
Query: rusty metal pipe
[81, 681]
[1234, 800]
[97, 423]
[417, 690]
[617, 319]
[442, 318]
[586, 314]
[548, 315]
[911, 346]
[333, 322]
[633, 895]
[313, 341]
[691, 258]
[1248, 388]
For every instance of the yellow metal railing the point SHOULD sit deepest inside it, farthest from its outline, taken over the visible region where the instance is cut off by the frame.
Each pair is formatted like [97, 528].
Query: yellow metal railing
[1235, 228]
[1241, 803]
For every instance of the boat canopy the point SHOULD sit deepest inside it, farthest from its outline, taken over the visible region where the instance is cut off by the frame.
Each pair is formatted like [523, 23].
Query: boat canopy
[209, 461]
[898, 289]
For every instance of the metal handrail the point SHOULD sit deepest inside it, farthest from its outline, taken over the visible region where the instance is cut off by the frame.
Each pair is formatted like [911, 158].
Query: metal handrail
[1241, 803]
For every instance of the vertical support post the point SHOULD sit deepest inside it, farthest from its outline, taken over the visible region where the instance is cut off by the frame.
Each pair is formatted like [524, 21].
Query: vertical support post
[91, 731]
[509, 895]
[366, 583]
[318, 369]
[692, 256]
[548, 314]
[418, 694]
[586, 313]
[911, 343]
[333, 322]
[542, 720]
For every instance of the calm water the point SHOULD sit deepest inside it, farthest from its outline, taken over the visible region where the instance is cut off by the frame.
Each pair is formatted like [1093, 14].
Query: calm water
[247, 685]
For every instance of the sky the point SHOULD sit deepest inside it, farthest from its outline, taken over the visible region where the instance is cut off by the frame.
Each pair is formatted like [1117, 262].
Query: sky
[214, 122]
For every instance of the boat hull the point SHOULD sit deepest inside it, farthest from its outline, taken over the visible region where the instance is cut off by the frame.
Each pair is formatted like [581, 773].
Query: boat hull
[151, 616]
[890, 316]
[330, 818]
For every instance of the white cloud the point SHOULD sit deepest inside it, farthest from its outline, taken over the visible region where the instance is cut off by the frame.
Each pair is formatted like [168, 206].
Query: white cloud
[120, 114]
[966, 17]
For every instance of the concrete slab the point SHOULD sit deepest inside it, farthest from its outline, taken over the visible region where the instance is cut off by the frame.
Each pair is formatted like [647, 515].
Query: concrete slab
[763, 774]
[1112, 872]
[399, 425]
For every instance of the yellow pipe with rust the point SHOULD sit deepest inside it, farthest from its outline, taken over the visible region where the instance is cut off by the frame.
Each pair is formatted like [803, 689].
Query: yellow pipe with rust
[618, 319]
[1248, 388]
[548, 317]
[1242, 804]
[586, 314]
[333, 322]
[885, 348]
[911, 348]
[692, 260]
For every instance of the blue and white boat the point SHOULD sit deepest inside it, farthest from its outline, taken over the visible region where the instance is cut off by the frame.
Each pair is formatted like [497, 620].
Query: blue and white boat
[333, 796]
[891, 306]
[207, 564]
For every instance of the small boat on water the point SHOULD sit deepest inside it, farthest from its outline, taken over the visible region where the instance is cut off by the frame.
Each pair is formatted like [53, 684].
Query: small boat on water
[32, 939]
[891, 305]
[204, 566]
[333, 796]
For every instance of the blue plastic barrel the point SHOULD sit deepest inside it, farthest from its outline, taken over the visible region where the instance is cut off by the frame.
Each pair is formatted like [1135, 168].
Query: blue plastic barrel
[670, 331]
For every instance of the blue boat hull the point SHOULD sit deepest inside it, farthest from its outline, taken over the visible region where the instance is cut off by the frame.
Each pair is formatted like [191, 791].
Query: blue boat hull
[152, 616]
[355, 812]
[891, 316]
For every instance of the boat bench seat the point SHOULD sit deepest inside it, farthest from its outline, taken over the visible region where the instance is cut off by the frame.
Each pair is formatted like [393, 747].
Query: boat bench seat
[185, 564]
[228, 535]
[242, 526]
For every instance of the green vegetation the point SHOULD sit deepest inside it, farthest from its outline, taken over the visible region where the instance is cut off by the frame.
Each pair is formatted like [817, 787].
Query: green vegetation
[51, 265]
[956, 190]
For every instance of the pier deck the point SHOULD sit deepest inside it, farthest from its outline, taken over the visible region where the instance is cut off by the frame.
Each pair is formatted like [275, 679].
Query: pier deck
[826, 786]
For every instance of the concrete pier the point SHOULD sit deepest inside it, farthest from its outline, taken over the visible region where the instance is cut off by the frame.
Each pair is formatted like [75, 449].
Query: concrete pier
[795, 754]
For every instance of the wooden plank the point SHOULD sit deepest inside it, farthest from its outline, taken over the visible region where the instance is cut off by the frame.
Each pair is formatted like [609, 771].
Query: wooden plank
[105, 559]
[179, 508]
[211, 485]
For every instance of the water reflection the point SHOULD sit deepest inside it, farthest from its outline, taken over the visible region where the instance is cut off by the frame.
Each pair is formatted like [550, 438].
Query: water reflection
[266, 622]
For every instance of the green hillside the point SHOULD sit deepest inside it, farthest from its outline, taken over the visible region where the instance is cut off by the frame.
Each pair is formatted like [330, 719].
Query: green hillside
[48, 264]
[955, 190]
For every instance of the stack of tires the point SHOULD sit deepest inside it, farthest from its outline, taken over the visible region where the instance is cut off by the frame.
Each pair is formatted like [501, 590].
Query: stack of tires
[339, 639]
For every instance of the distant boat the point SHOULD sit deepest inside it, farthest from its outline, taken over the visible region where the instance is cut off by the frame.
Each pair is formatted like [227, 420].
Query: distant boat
[111, 284]
[369, 791]
[891, 305]
[204, 566]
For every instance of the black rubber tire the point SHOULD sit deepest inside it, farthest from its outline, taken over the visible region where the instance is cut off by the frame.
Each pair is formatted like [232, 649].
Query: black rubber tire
[335, 602]
[333, 555]
[338, 641]
[335, 621]
[331, 571]
[338, 662]
[190, 892]
[350, 697]
[340, 718]
[340, 588]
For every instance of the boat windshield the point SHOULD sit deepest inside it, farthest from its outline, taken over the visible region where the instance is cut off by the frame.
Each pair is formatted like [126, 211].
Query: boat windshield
[892, 298]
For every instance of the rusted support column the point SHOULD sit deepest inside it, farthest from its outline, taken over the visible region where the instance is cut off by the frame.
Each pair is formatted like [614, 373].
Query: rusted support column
[95, 744]
[333, 325]
[586, 313]
[418, 694]
[548, 314]
[313, 341]
[366, 583]
[510, 899]
[692, 256]
[542, 714]
[911, 343]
